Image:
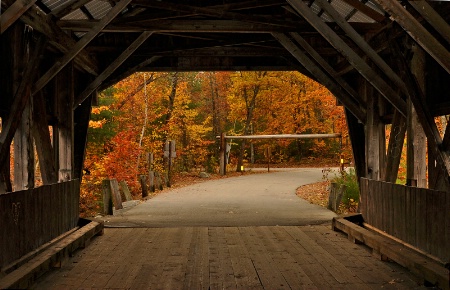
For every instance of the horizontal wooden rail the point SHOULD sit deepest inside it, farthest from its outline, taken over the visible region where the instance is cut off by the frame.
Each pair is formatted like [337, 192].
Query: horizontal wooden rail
[285, 136]
[31, 218]
[417, 216]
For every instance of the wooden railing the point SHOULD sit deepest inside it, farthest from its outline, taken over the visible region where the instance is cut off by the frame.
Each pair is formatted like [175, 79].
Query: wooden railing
[31, 218]
[417, 216]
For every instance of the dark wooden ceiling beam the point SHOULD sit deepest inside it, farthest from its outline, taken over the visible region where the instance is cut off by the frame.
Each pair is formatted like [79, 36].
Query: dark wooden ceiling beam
[185, 25]
[114, 79]
[58, 38]
[417, 32]
[79, 46]
[214, 12]
[363, 45]
[13, 13]
[111, 68]
[427, 12]
[327, 67]
[354, 59]
[203, 25]
[322, 77]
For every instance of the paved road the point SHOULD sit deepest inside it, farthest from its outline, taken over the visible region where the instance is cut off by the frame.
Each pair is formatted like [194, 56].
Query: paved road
[250, 200]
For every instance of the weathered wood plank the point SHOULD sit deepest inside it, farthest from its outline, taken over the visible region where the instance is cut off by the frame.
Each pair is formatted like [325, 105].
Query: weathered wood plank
[112, 67]
[79, 46]
[357, 138]
[432, 17]
[395, 146]
[13, 13]
[415, 215]
[58, 38]
[31, 218]
[245, 274]
[363, 68]
[363, 45]
[286, 264]
[63, 131]
[269, 278]
[42, 140]
[20, 100]
[417, 32]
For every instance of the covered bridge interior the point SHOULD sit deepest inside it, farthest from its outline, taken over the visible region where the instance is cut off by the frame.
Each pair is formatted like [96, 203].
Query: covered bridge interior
[386, 61]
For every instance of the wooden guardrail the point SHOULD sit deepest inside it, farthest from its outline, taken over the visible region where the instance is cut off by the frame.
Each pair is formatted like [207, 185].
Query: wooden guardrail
[31, 218]
[417, 216]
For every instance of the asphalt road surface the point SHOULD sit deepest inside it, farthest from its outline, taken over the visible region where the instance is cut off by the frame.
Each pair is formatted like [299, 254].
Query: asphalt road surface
[267, 199]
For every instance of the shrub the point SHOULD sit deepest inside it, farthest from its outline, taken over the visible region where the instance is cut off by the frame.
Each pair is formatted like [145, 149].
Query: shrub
[350, 197]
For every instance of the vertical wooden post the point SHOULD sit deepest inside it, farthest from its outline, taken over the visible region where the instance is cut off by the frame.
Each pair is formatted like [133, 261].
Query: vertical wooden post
[222, 153]
[125, 190]
[268, 159]
[357, 139]
[395, 147]
[151, 173]
[23, 140]
[158, 181]
[107, 197]
[65, 128]
[117, 198]
[24, 152]
[373, 134]
[416, 139]
[143, 182]
[169, 163]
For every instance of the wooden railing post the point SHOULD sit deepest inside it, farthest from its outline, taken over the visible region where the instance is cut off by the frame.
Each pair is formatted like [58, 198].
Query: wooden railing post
[143, 182]
[222, 153]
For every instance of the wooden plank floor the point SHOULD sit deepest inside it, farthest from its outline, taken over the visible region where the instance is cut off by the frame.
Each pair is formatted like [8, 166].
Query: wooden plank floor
[280, 257]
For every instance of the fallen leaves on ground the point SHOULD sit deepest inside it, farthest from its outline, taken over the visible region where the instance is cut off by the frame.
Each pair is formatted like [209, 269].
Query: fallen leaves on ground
[315, 193]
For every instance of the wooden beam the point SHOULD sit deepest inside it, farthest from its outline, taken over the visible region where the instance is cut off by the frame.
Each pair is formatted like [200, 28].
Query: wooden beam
[340, 94]
[328, 68]
[357, 138]
[363, 68]
[425, 118]
[417, 32]
[394, 152]
[112, 67]
[58, 38]
[440, 25]
[129, 72]
[13, 13]
[201, 25]
[21, 98]
[375, 15]
[374, 134]
[216, 12]
[81, 119]
[72, 53]
[446, 139]
[42, 140]
[63, 131]
[23, 150]
[282, 136]
[363, 45]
